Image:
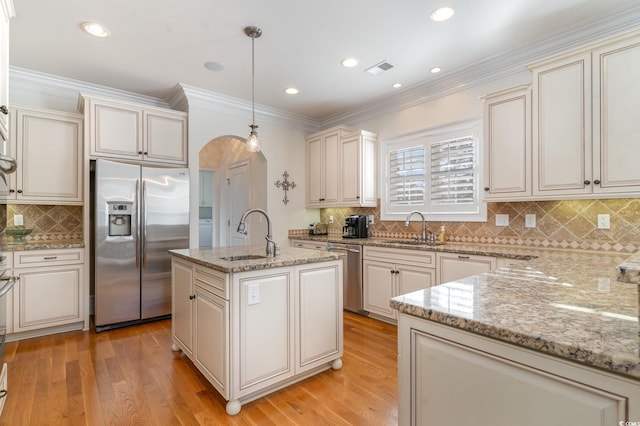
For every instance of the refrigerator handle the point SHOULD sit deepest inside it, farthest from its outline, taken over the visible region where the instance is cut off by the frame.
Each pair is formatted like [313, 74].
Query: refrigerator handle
[144, 224]
[137, 227]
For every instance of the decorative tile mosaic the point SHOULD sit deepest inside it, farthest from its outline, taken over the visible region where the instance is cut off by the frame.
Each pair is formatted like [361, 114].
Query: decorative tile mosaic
[49, 223]
[559, 224]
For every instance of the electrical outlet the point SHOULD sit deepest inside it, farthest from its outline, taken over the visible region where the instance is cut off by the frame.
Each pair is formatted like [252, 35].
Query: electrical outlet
[253, 294]
[330, 219]
[502, 220]
[604, 221]
[370, 219]
[530, 221]
[18, 220]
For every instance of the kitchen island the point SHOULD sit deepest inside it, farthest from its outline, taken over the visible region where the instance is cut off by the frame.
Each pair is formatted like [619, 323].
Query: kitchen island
[555, 342]
[253, 324]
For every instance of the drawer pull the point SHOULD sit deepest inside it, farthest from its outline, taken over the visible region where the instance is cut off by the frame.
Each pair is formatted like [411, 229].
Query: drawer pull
[50, 257]
[463, 257]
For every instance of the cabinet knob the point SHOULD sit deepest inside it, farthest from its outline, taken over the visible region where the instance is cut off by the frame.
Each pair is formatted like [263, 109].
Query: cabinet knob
[19, 191]
[597, 181]
[486, 188]
[587, 182]
[11, 191]
[140, 152]
[146, 153]
[191, 297]
[4, 109]
[321, 199]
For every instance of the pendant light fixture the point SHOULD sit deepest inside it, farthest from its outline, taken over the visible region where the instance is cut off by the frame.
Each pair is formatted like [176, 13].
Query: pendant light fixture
[253, 143]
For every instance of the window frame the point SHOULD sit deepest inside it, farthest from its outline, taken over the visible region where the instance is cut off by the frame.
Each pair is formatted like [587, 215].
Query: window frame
[476, 212]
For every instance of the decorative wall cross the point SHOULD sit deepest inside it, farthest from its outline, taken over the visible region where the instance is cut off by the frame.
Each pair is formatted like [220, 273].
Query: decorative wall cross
[285, 185]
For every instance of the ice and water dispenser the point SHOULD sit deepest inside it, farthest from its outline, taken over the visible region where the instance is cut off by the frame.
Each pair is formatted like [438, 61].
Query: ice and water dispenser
[120, 218]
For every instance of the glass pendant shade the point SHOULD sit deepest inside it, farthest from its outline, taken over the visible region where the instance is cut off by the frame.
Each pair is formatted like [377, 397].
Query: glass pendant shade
[253, 143]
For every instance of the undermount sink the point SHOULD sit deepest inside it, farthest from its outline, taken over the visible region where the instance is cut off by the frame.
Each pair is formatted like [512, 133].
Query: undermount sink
[243, 257]
[414, 242]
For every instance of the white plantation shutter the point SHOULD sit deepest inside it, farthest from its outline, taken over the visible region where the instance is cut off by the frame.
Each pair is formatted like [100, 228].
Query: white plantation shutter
[452, 172]
[407, 176]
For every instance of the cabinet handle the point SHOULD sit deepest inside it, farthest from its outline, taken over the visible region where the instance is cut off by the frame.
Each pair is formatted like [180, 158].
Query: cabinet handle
[50, 257]
[587, 182]
[192, 296]
[4, 110]
[597, 181]
[146, 153]
[140, 152]
[358, 197]
[19, 191]
[11, 191]
[486, 188]
[321, 199]
[463, 257]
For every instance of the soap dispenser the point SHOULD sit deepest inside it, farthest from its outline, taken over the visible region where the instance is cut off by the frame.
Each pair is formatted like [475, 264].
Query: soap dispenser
[443, 236]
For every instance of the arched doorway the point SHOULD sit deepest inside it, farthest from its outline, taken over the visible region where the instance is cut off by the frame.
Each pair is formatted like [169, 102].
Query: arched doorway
[231, 181]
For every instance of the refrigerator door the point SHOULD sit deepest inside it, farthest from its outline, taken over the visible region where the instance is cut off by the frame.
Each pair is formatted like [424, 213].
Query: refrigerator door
[117, 275]
[165, 226]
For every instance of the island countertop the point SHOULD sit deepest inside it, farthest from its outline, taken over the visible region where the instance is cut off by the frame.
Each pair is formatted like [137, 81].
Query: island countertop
[214, 257]
[566, 303]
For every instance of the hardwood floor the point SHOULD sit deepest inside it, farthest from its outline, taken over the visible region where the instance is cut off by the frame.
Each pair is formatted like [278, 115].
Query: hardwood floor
[130, 376]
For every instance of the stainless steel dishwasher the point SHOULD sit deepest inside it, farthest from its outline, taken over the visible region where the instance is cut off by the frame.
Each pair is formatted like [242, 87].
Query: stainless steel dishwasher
[352, 281]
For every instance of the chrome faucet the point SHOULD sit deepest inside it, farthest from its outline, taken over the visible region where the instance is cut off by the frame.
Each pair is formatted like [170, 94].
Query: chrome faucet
[424, 224]
[271, 245]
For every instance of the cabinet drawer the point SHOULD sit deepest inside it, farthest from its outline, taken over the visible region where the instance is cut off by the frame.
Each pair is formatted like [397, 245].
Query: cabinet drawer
[32, 258]
[407, 257]
[212, 281]
[314, 245]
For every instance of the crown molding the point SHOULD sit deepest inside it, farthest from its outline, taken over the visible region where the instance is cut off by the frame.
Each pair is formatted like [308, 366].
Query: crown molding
[492, 68]
[8, 11]
[217, 102]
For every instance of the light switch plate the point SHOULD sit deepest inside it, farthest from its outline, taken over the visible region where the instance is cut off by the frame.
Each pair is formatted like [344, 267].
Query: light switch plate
[502, 220]
[604, 221]
[530, 221]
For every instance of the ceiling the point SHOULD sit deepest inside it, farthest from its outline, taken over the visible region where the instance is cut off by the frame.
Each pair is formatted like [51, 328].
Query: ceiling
[156, 44]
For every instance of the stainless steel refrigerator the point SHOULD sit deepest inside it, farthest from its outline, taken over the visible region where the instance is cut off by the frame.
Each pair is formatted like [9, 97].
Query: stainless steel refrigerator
[139, 214]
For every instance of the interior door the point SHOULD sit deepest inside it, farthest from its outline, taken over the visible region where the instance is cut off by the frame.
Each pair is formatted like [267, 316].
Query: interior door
[239, 196]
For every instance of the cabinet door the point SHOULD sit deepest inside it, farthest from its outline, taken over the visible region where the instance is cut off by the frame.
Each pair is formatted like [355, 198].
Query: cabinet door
[319, 300]
[4, 75]
[9, 147]
[211, 328]
[412, 278]
[206, 188]
[182, 304]
[47, 297]
[451, 267]
[50, 154]
[616, 128]
[507, 121]
[379, 279]
[351, 170]
[165, 136]
[331, 168]
[314, 174]
[115, 130]
[562, 130]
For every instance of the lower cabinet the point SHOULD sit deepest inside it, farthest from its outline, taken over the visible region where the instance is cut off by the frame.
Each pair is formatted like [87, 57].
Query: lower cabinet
[390, 272]
[50, 291]
[252, 332]
[449, 376]
[452, 266]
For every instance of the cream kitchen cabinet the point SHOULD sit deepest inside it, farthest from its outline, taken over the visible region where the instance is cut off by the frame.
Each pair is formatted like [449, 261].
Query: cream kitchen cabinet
[452, 266]
[313, 245]
[120, 129]
[49, 296]
[323, 167]
[358, 154]
[251, 332]
[390, 272]
[206, 188]
[507, 147]
[48, 146]
[6, 13]
[584, 122]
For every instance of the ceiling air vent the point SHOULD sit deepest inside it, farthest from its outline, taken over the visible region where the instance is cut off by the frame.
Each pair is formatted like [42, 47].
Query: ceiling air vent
[378, 68]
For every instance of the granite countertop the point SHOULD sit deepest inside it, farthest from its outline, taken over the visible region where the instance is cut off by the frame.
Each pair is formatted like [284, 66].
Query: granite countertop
[44, 245]
[213, 257]
[565, 303]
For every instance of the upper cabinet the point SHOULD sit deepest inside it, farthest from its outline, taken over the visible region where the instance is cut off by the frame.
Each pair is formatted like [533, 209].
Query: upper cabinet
[6, 13]
[119, 129]
[48, 146]
[341, 168]
[507, 147]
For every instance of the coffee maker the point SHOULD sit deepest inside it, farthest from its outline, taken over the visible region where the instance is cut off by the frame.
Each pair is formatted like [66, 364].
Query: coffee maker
[355, 226]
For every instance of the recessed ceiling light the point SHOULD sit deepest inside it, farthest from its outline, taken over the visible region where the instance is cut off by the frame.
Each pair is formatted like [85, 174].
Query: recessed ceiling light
[435, 70]
[95, 29]
[442, 13]
[291, 91]
[397, 85]
[214, 66]
[349, 62]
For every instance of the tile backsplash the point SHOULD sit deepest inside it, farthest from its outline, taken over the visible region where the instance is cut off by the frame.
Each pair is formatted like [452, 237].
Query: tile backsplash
[49, 223]
[559, 224]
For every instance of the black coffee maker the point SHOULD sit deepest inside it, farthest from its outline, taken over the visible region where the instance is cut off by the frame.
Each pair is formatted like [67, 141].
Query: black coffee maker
[355, 226]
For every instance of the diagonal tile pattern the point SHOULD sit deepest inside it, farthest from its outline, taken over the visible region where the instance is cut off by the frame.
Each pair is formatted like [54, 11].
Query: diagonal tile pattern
[49, 223]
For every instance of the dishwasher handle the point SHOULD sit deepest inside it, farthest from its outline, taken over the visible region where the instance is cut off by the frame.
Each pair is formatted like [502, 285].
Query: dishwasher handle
[348, 250]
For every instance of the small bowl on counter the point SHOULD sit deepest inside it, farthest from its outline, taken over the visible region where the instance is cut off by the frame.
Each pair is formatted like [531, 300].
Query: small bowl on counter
[17, 233]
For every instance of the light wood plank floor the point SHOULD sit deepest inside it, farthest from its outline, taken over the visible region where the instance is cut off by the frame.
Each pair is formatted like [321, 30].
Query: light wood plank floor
[130, 376]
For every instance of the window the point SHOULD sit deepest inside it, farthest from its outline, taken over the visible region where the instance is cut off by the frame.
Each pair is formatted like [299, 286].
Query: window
[436, 172]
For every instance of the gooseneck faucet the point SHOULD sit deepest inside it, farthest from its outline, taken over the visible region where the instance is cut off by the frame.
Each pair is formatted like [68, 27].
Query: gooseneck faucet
[424, 223]
[271, 245]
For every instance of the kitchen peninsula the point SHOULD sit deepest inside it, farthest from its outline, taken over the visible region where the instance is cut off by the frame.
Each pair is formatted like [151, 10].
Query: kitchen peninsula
[254, 324]
[557, 339]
